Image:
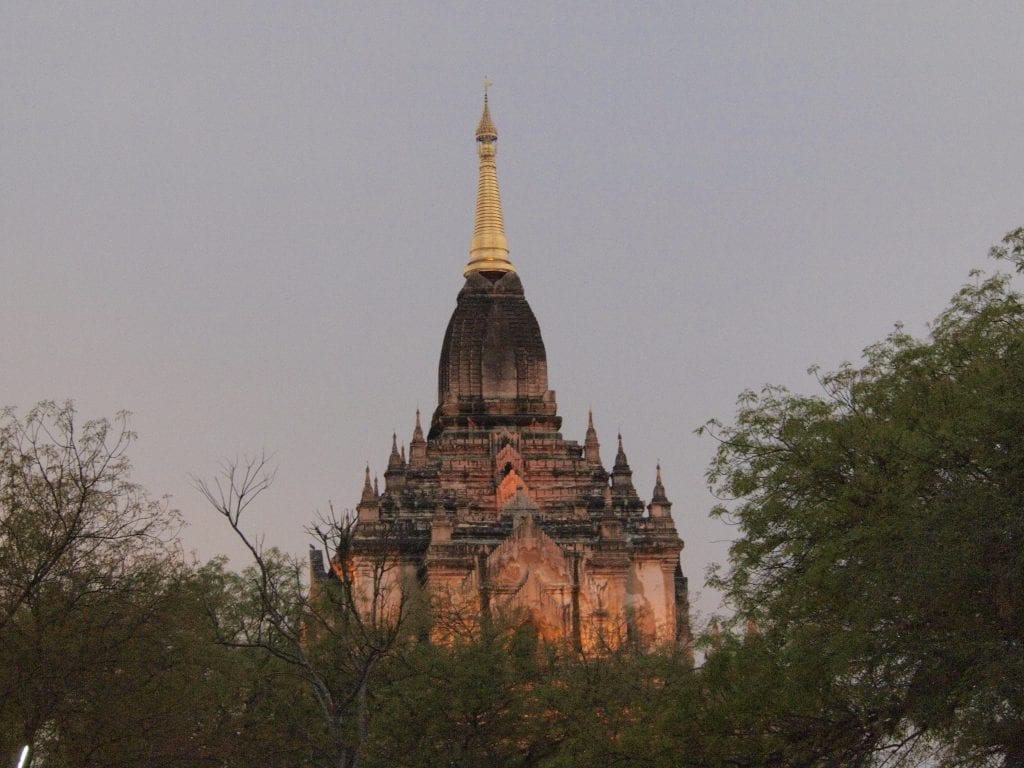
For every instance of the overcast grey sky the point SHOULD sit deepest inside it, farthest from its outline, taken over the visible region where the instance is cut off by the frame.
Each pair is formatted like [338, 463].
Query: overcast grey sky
[247, 222]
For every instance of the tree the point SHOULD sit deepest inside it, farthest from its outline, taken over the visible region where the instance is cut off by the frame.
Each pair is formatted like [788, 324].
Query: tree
[502, 696]
[78, 539]
[325, 636]
[882, 531]
[107, 653]
[473, 701]
[68, 508]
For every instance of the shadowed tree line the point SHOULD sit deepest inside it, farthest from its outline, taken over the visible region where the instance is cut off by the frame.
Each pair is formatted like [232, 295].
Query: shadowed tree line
[876, 587]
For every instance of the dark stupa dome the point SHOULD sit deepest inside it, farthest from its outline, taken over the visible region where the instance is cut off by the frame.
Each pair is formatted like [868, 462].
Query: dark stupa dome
[493, 366]
[492, 348]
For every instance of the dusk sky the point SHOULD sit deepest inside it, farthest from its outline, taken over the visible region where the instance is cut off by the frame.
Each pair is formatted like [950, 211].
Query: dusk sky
[247, 222]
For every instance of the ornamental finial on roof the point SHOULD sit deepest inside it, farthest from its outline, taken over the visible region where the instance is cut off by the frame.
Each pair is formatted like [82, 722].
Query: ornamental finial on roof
[367, 488]
[659, 488]
[621, 464]
[486, 131]
[395, 461]
[488, 253]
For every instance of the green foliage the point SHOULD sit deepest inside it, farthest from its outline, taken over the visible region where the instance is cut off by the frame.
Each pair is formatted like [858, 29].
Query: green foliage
[70, 517]
[506, 700]
[108, 654]
[459, 706]
[882, 545]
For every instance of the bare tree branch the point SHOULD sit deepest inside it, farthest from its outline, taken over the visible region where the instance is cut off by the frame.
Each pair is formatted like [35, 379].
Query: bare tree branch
[332, 637]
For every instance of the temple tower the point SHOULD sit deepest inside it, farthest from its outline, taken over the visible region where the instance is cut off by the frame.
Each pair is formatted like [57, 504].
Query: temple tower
[496, 512]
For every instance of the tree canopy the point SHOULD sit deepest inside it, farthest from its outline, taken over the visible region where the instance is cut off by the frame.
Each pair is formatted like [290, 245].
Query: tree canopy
[882, 530]
[108, 649]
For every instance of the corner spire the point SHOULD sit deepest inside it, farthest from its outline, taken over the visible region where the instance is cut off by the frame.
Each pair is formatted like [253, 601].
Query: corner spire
[620, 457]
[660, 508]
[394, 475]
[395, 460]
[659, 488]
[368, 494]
[622, 475]
[591, 446]
[488, 252]
[418, 446]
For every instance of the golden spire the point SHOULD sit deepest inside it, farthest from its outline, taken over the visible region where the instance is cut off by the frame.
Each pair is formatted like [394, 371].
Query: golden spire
[488, 253]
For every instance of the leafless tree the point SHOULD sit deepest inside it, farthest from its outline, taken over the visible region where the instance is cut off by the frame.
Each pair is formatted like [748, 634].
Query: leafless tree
[332, 632]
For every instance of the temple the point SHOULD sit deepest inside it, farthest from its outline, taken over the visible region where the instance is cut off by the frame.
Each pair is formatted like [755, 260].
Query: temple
[492, 512]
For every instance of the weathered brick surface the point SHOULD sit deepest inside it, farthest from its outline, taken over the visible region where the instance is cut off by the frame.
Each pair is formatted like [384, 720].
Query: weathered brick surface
[494, 495]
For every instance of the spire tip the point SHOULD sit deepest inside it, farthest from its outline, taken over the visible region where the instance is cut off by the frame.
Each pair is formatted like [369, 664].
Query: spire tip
[488, 252]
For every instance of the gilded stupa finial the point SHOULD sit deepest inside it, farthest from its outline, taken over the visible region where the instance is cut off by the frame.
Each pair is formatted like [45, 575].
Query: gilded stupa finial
[488, 253]
[486, 130]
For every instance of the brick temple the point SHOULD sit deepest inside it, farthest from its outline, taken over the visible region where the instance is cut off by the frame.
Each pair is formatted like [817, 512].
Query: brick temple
[493, 511]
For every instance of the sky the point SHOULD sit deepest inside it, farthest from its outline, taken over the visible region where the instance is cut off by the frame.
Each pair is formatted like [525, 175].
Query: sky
[246, 223]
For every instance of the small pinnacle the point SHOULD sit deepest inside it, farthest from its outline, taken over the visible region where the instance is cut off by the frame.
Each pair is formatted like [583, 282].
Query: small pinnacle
[417, 432]
[394, 460]
[367, 488]
[621, 463]
[658, 496]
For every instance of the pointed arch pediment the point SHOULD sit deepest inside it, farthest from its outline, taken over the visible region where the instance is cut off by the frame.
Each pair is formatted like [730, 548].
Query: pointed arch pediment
[528, 573]
[507, 455]
[509, 487]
